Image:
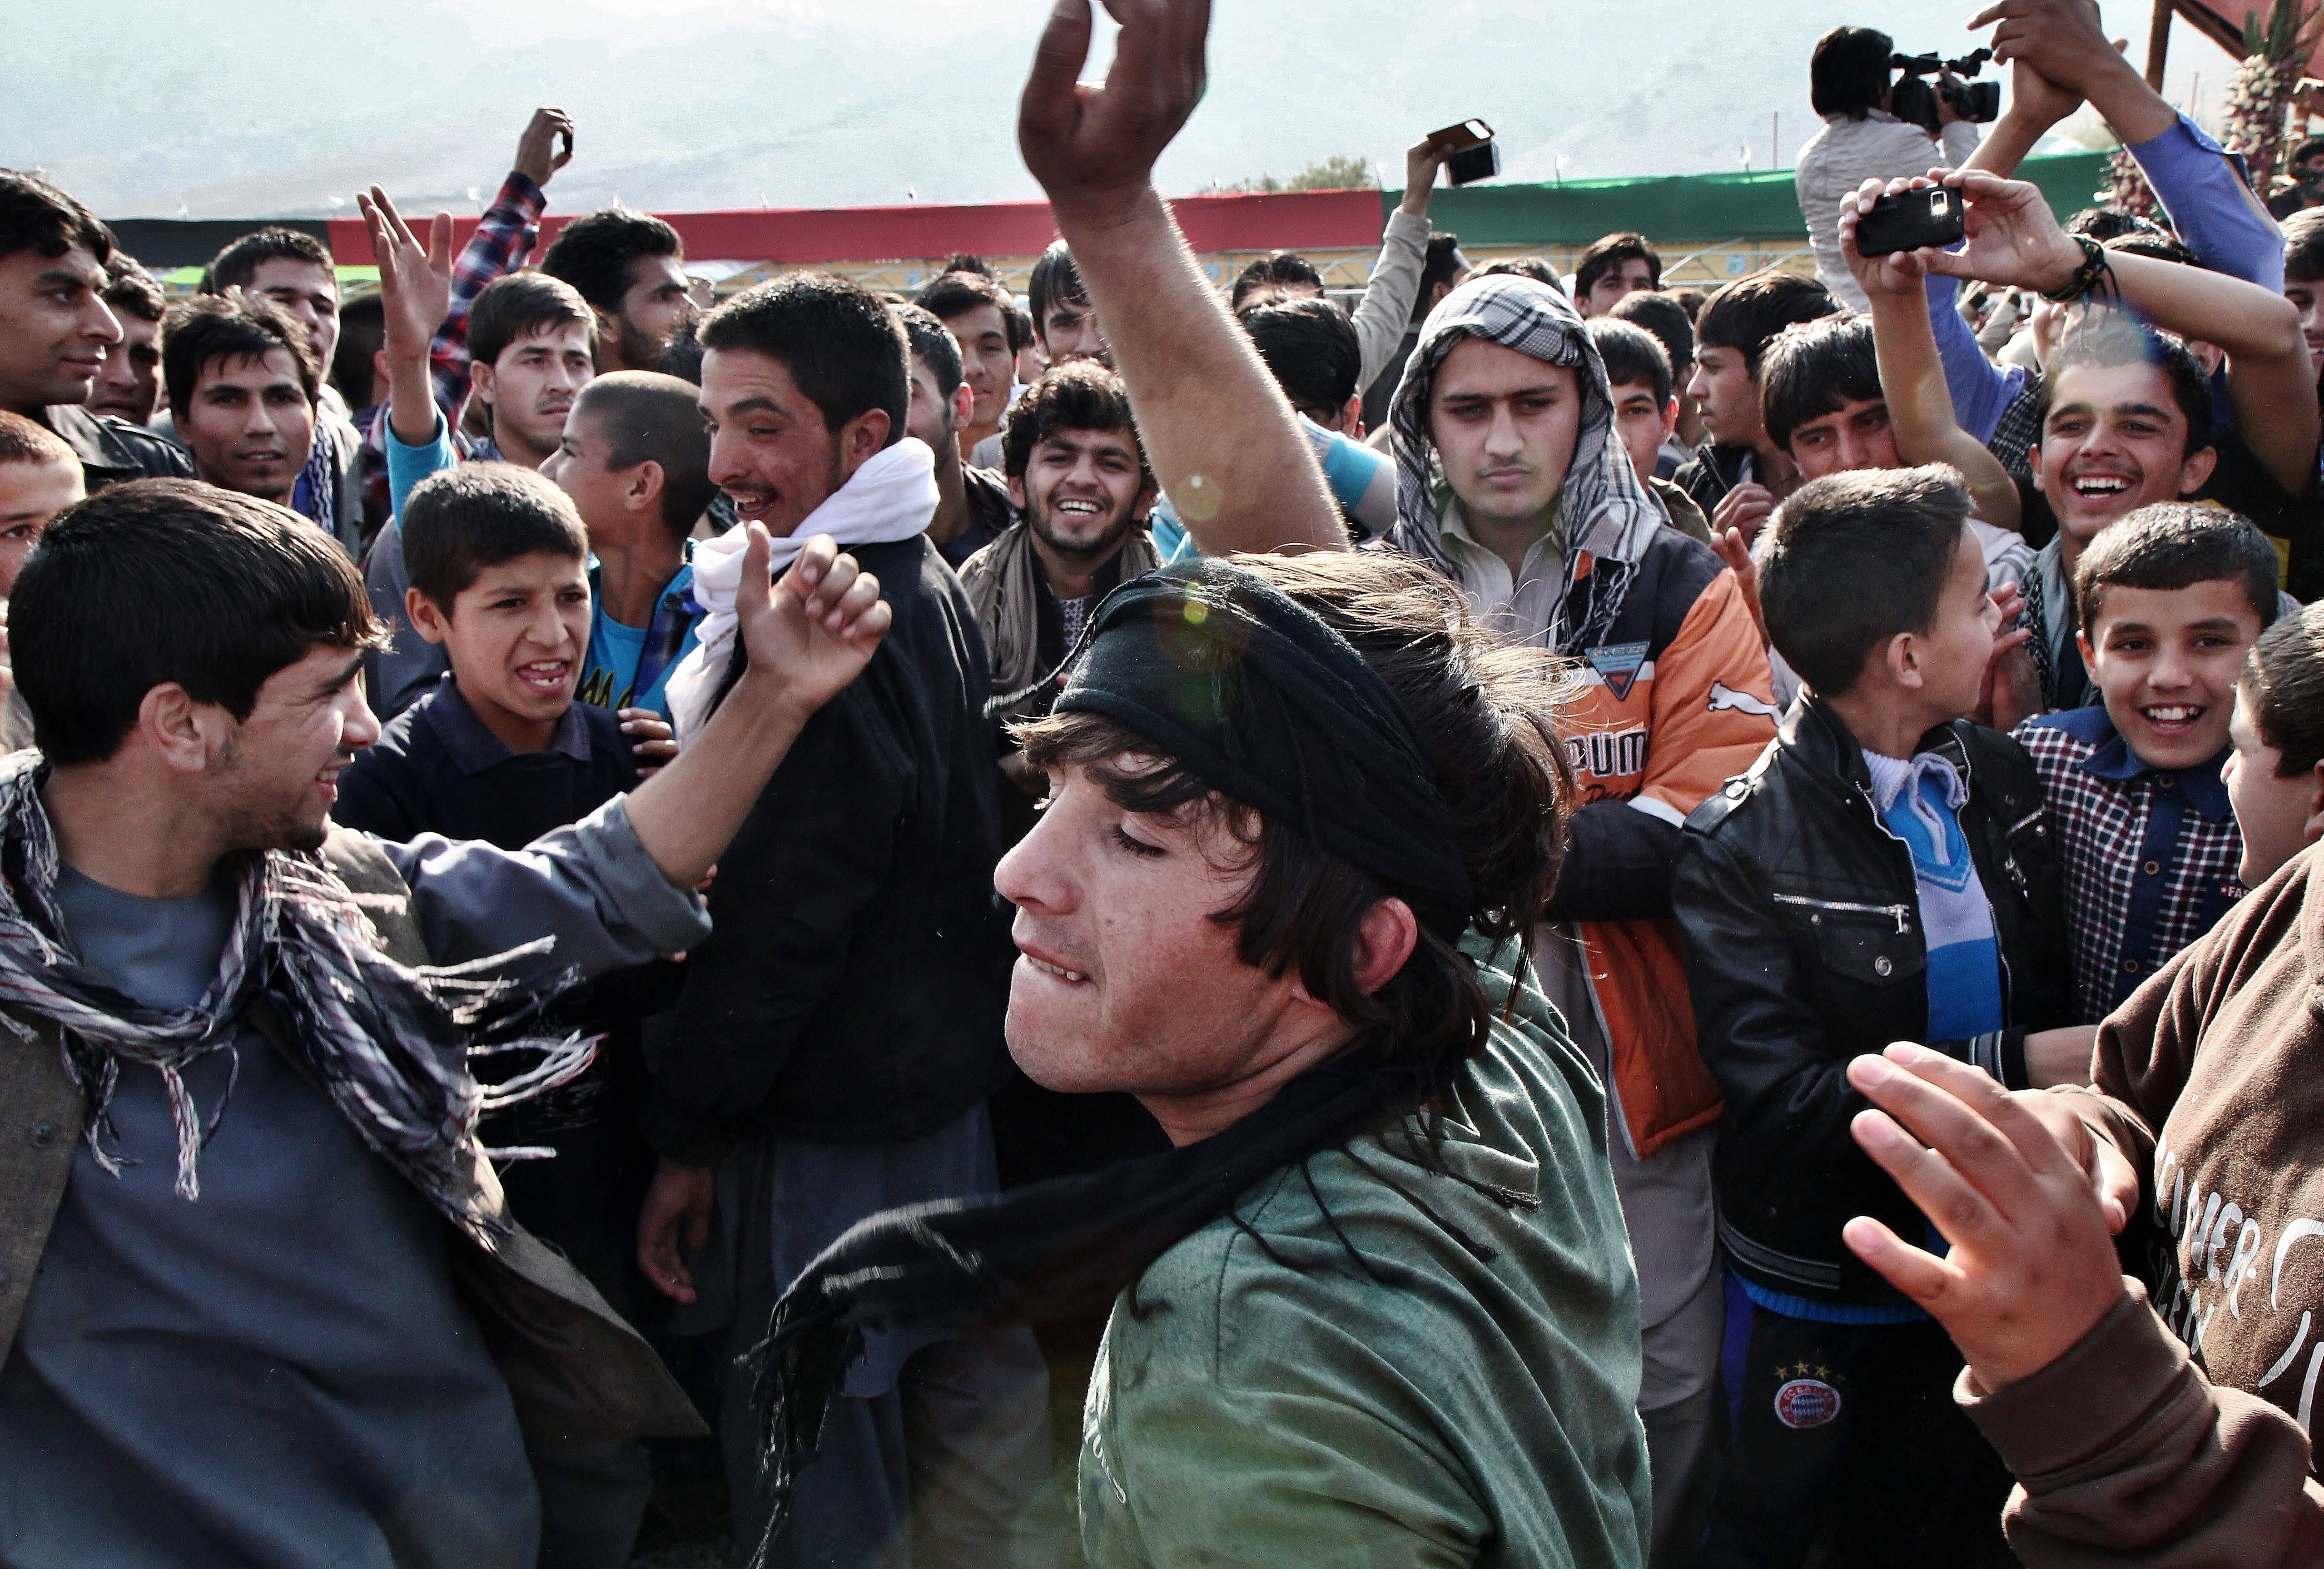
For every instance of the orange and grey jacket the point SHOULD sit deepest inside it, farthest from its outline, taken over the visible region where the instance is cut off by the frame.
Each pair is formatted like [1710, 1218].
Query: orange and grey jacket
[1676, 693]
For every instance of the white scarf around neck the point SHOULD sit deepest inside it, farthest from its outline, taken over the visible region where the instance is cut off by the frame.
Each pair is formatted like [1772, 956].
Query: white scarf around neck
[892, 497]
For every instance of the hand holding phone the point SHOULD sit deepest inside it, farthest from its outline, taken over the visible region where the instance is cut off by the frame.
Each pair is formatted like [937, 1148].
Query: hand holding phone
[1471, 152]
[1908, 220]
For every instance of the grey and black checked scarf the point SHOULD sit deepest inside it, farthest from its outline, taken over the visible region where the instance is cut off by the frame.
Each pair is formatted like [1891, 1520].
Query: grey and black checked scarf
[388, 1045]
[1606, 517]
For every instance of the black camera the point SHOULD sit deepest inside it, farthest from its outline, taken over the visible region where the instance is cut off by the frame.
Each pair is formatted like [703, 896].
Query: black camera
[1915, 101]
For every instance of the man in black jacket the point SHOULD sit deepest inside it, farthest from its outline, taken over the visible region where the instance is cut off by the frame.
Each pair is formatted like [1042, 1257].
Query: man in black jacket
[1885, 872]
[839, 1035]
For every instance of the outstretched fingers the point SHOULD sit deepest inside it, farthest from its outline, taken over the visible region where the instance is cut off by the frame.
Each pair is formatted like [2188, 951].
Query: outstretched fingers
[1929, 1175]
[1917, 1273]
[1051, 101]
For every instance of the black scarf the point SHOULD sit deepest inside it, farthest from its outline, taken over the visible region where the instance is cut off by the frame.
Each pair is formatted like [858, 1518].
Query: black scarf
[1270, 705]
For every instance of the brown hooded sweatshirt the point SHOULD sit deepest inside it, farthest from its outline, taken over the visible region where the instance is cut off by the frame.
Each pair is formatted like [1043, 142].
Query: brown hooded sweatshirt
[2139, 1448]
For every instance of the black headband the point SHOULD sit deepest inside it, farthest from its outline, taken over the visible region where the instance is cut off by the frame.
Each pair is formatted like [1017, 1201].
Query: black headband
[1269, 706]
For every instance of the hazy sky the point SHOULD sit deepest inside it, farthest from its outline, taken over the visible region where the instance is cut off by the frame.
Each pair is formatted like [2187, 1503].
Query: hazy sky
[282, 106]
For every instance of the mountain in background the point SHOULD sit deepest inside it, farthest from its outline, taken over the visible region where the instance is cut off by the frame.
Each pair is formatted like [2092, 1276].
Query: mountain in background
[285, 108]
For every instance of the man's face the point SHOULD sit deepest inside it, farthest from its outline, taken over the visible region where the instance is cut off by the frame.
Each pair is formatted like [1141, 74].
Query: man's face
[653, 308]
[515, 637]
[309, 292]
[1069, 331]
[1082, 492]
[54, 328]
[31, 493]
[1643, 423]
[987, 365]
[1124, 981]
[1505, 425]
[1607, 290]
[2307, 297]
[769, 449]
[2166, 661]
[130, 382]
[1722, 385]
[1855, 435]
[2278, 816]
[582, 467]
[934, 418]
[2114, 441]
[249, 424]
[1959, 643]
[531, 386]
[276, 777]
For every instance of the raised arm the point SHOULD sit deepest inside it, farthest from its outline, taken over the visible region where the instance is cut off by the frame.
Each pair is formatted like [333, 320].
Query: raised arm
[1223, 438]
[1912, 375]
[2015, 238]
[415, 289]
[502, 240]
[1385, 309]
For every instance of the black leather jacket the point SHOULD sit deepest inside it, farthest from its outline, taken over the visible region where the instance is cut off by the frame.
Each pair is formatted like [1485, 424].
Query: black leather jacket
[1803, 949]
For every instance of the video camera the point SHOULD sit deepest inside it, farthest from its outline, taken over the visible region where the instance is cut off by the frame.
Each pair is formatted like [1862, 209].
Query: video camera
[1915, 101]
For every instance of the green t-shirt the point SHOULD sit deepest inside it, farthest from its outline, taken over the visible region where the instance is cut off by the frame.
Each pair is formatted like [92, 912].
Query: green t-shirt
[1455, 1411]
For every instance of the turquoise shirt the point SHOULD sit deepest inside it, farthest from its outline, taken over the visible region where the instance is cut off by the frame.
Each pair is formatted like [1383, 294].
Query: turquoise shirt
[1455, 1411]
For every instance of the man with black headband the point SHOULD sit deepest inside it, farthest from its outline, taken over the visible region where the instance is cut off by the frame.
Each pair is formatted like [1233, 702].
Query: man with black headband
[1376, 1294]
[260, 1300]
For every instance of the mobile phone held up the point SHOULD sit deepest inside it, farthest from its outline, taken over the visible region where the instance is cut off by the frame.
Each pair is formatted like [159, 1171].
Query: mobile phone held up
[1931, 216]
[1471, 152]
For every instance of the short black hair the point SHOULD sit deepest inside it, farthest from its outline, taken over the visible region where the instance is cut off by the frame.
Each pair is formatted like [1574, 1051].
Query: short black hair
[516, 306]
[647, 415]
[2176, 545]
[1612, 252]
[932, 342]
[682, 356]
[2284, 677]
[130, 289]
[1082, 395]
[1277, 267]
[235, 266]
[1746, 314]
[594, 252]
[1852, 560]
[1848, 74]
[210, 327]
[460, 520]
[1664, 316]
[957, 291]
[1633, 357]
[35, 215]
[2108, 338]
[2110, 223]
[171, 580]
[1438, 264]
[1055, 280]
[1313, 350]
[1531, 267]
[844, 349]
[2156, 247]
[362, 332]
[1813, 369]
[2311, 148]
[2303, 246]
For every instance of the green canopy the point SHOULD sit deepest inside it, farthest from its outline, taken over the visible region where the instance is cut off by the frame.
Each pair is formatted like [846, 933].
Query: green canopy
[1681, 208]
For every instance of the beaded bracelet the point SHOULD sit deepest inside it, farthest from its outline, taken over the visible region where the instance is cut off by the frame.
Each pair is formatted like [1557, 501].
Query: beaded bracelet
[2085, 279]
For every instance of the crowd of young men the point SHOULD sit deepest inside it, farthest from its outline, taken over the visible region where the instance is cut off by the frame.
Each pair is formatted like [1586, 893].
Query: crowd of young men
[1143, 929]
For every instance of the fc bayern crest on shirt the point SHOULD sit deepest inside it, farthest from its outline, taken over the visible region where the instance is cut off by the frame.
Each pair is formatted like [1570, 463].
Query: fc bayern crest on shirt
[1806, 1403]
[1618, 664]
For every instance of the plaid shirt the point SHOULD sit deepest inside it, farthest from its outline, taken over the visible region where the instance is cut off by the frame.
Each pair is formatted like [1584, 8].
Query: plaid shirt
[2151, 856]
[504, 237]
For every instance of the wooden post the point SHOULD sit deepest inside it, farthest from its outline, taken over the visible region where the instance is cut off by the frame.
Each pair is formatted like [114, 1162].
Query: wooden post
[2158, 43]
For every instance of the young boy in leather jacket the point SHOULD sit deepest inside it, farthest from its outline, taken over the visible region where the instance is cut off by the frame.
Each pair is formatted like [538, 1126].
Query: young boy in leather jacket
[1885, 871]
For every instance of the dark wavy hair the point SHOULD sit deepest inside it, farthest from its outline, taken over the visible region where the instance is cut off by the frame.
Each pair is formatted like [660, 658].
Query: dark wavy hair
[2284, 676]
[1486, 714]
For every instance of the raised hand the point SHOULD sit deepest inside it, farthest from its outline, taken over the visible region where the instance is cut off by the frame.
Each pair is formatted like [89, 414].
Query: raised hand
[2031, 1268]
[1092, 146]
[1422, 159]
[2063, 40]
[415, 281]
[2013, 237]
[539, 154]
[814, 631]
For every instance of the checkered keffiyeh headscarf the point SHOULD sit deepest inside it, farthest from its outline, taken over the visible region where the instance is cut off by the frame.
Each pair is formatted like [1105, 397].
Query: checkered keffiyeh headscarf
[1605, 514]
[388, 1045]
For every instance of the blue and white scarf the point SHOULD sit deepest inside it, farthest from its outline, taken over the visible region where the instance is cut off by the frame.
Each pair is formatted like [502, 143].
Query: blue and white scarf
[1920, 801]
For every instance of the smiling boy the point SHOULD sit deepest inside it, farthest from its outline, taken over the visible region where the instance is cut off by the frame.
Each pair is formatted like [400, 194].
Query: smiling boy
[241, 385]
[2172, 597]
